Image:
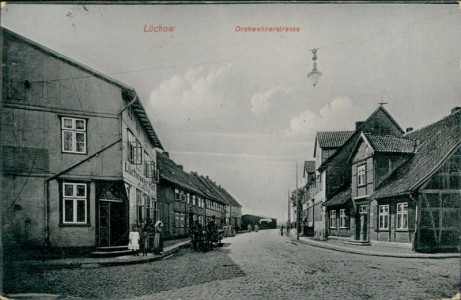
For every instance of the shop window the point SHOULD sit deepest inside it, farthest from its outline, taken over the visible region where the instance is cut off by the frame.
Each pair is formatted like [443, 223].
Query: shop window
[384, 217]
[402, 215]
[74, 203]
[73, 133]
[140, 207]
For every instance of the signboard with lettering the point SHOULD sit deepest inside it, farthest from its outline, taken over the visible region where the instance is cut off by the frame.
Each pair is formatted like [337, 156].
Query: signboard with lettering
[134, 176]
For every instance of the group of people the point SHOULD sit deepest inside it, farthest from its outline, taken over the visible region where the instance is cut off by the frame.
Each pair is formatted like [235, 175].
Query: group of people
[285, 229]
[149, 239]
[256, 228]
[197, 230]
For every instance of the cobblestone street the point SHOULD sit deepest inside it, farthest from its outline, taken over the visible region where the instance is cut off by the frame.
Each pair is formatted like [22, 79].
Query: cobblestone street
[259, 265]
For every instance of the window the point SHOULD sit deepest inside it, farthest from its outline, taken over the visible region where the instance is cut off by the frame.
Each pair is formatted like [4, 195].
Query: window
[73, 135]
[384, 217]
[134, 149]
[402, 215]
[74, 203]
[343, 219]
[177, 195]
[176, 220]
[150, 208]
[140, 207]
[332, 218]
[361, 175]
[188, 198]
[193, 200]
[181, 222]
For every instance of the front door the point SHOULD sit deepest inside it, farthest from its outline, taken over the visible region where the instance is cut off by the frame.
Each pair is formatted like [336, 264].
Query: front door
[113, 229]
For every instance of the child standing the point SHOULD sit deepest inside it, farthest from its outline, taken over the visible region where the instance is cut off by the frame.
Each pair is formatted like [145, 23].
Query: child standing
[134, 241]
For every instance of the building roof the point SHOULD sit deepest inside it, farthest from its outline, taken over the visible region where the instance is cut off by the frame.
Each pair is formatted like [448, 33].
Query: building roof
[332, 139]
[206, 190]
[309, 167]
[137, 106]
[437, 142]
[354, 137]
[174, 174]
[231, 199]
[390, 143]
[340, 198]
[219, 195]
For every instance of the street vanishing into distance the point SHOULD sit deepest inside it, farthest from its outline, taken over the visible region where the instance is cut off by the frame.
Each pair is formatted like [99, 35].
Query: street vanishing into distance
[257, 265]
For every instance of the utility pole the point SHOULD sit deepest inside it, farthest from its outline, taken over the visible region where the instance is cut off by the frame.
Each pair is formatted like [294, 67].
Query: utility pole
[298, 224]
[289, 207]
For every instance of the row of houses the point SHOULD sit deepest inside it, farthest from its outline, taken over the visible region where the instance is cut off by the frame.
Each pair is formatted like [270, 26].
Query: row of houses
[82, 162]
[379, 183]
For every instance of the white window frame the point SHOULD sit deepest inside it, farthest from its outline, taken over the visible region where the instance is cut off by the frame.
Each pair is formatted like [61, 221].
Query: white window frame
[383, 217]
[73, 130]
[402, 216]
[361, 175]
[342, 218]
[333, 218]
[75, 198]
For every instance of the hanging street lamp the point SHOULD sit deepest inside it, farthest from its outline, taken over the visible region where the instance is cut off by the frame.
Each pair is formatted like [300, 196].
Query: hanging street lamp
[315, 74]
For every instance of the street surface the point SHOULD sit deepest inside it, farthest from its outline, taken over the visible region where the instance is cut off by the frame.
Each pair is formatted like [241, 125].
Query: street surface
[262, 265]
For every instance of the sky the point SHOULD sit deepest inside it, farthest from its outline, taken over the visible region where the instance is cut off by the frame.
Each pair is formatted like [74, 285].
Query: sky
[237, 106]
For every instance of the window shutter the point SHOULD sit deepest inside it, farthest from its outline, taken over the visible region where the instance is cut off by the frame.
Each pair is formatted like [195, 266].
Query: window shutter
[411, 216]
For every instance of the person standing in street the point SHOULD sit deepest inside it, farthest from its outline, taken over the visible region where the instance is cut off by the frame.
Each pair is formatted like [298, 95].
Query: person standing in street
[256, 228]
[158, 240]
[134, 238]
[249, 228]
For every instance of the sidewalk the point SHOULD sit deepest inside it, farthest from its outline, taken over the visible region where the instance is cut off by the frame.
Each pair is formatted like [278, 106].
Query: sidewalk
[92, 262]
[375, 249]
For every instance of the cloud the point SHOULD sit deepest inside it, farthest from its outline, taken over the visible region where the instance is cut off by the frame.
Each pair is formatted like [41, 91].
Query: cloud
[201, 98]
[263, 101]
[339, 114]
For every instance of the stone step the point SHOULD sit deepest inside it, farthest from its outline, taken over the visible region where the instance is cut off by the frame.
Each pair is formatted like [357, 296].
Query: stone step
[110, 253]
[111, 248]
[357, 243]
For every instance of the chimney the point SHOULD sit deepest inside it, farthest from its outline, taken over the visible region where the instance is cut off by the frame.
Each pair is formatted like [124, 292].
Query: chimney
[409, 129]
[166, 154]
[455, 109]
[358, 124]
[180, 166]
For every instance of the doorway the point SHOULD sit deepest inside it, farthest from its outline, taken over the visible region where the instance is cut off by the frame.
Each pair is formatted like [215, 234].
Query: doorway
[112, 223]
[112, 214]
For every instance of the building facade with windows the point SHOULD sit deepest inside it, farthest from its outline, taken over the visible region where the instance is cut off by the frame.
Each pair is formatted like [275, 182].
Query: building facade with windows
[78, 152]
[180, 200]
[417, 197]
[341, 208]
[215, 204]
[231, 210]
